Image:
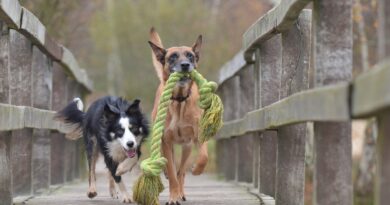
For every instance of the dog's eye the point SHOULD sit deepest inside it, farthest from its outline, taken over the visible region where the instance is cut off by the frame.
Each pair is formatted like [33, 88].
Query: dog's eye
[173, 58]
[190, 56]
[120, 132]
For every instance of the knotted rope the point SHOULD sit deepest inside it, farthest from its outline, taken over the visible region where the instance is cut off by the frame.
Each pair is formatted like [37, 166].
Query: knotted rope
[148, 186]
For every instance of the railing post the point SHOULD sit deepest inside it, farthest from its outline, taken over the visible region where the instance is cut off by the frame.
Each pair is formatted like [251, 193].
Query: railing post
[290, 171]
[382, 184]
[69, 144]
[332, 52]
[6, 188]
[245, 143]
[230, 155]
[42, 90]
[59, 100]
[269, 77]
[20, 94]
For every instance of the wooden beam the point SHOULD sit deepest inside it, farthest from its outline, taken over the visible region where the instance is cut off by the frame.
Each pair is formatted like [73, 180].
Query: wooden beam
[297, 108]
[279, 19]
[371, 93]
[231, 67]
[332, 53]
[11, 12]
[290, 169]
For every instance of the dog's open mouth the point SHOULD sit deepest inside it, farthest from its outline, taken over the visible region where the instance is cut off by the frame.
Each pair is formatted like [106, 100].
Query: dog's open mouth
[131, 153]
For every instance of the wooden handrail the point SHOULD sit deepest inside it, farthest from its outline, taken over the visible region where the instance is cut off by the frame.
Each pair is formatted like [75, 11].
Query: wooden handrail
[25, 22]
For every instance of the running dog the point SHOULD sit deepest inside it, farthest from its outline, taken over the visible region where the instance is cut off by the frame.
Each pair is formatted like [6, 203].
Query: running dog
[114, 127]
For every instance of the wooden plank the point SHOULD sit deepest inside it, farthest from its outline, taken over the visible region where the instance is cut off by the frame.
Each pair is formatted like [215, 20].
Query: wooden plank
[20, 94]
[32, 27]
[382, 184]
[20, 157]
[245, 143]
[297, 108]
[275, 21]
[371, 91]
[382, 181]
[11, 12]
[59, 99]
[230, 68]
[70, 145]
[290, 173]
[332, 41]
[42, 89]
[70, 62]
[269, 78]
[5, 169]
[4, 65]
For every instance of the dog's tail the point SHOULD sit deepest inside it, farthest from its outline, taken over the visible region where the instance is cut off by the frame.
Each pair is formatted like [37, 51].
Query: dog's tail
[73, 116]
[155, 38]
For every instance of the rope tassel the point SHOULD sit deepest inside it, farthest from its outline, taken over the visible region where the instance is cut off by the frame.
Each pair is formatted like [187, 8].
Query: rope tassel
[149, 186]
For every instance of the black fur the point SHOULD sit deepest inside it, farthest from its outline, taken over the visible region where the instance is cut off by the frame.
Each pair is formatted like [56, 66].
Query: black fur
[100, 120]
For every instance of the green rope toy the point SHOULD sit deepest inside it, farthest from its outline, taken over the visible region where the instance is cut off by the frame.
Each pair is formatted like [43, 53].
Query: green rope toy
[148, 186]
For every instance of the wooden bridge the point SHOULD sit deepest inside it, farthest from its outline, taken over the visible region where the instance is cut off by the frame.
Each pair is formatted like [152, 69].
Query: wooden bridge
[294, 73]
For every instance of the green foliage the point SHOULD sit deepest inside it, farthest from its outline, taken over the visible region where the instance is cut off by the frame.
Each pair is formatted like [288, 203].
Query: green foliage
[178, 23]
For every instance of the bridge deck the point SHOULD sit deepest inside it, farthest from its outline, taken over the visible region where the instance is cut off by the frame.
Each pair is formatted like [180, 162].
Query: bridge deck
[205, 189]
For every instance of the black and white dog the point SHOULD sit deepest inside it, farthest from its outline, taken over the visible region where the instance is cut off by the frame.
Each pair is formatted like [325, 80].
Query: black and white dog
[113, 126]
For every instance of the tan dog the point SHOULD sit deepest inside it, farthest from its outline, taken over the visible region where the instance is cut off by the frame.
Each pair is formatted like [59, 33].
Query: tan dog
[183, 117]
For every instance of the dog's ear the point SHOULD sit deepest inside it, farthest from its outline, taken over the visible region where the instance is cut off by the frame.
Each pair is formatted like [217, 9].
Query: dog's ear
[197, 46]
[110, 112]
[158, 52]
[134, 107]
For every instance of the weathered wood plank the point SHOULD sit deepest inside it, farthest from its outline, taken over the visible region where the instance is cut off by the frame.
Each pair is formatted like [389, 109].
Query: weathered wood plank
[20, 94]
[232, 67]
[290, 173]
[5, 169]
[270, 62]
[371, 91]
[4, 64]
[382, 192]
[300, 107]
[70, 62]
[11, 12]
[42, 88]
[382, 181]
[245, 143]
[277, 20]
[20, 156]
[32, 27]
[332, 43]
[69, 160]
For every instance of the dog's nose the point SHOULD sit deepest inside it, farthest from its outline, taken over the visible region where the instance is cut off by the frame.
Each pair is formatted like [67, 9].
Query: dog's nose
[185, 66]
[130, 144]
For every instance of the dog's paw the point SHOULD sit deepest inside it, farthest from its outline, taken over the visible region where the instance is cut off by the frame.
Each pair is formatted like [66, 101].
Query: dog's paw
[114, 194]
[91, 194]
[172, 203]
[126, 200]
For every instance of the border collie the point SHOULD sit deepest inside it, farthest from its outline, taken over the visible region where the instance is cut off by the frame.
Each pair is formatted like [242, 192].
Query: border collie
[112, 126]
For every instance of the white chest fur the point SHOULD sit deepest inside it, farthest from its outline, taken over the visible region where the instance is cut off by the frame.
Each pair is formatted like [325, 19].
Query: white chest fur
[116, 152]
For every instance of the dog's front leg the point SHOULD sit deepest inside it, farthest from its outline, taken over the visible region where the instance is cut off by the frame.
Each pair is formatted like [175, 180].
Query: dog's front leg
[186, 152]
[174, 195]
[126, 166]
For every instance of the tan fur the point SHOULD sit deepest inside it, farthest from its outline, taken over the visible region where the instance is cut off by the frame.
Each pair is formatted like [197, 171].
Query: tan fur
[181, 126]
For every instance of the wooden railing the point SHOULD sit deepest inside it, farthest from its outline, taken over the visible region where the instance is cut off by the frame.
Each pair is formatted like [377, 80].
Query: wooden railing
[37, 77]
[295, 67]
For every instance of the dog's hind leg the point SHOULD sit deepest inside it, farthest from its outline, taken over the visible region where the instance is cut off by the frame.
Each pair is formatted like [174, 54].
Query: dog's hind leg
[92, 155]
[186, 152]
[174, 195]
[201, 161]
[111, 185]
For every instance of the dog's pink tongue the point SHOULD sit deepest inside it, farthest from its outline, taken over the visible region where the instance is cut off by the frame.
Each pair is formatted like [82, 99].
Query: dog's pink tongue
[131, 153]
